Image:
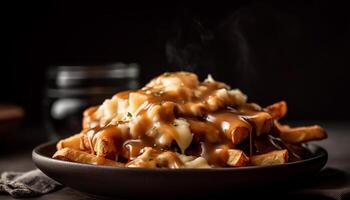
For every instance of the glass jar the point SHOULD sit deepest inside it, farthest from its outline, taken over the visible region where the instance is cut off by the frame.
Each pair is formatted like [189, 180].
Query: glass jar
[72, 89]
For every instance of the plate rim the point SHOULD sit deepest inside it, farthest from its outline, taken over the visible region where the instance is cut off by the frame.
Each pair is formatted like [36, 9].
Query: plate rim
[36, 155]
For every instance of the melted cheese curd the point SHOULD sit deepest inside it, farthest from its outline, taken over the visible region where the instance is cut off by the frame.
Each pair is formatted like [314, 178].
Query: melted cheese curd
[175, 121]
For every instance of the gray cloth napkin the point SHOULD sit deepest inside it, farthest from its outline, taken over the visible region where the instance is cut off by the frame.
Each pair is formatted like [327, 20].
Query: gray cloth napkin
[26, 184]
[330, 183]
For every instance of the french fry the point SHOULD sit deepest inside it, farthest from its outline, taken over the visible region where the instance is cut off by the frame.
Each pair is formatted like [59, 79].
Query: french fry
[74, 155]
[237, 158]
[232, 125]
[88, 117]
[301, 134]
[277, 110]
[271, 158]
[239, 134]
[262, 121]
[85, 142]
[70, 142]
[204, 130]
[105, 147]
[105, 142]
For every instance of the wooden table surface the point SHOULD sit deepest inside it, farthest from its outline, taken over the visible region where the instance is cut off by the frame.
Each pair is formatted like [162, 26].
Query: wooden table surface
[337, 145]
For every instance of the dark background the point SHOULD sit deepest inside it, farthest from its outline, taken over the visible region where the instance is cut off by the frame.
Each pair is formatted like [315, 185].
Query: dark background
[298, 52]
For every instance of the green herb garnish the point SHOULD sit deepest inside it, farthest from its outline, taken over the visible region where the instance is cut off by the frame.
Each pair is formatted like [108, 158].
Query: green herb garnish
[129, 115]
[158, 94]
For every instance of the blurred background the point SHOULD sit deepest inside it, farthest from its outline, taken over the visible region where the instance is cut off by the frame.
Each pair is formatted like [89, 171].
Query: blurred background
[293, 51]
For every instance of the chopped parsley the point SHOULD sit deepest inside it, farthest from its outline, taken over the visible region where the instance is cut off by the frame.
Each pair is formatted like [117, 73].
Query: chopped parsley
[129, 115]
[157, 94]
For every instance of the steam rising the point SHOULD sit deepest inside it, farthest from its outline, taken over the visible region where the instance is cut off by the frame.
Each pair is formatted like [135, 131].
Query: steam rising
[223, 49]
[239, 45]
[184, 50]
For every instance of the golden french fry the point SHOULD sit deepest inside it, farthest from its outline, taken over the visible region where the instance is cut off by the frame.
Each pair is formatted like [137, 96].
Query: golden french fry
[271, 158]
[232, 125]
[262, 121]
[277, 110]
[203, 130]
[85, 142]
[237, 158]
[301, 134]
[106, 142]
[74, 155]
[105, 147]
[239, 134]
[71, 142]
[88, 117]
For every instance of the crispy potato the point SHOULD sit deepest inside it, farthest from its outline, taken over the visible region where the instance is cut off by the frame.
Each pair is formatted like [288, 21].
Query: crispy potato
[105, 147]
[259, 118]
[239, 134]
[301, 134]
[85, 143]
[277, 110]
[70, 142]
[74, 155]
[106, 142]
[263, 122]
[202, 130]
[271, 158]
[89, 117]
[237, 158]
[232, 125]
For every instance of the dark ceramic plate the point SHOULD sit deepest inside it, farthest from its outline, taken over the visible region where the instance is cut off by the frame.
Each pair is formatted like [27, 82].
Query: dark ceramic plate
[133, 182]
